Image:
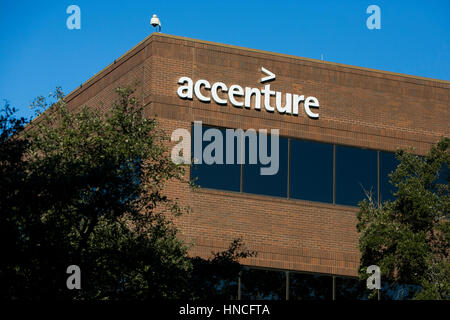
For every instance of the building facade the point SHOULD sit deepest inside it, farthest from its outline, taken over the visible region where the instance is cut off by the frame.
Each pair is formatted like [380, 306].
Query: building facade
[301, 221]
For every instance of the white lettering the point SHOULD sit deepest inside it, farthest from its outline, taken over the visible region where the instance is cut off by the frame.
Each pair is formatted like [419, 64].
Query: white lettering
[185, 92]
[236, 90]
[197, 91]
[214, 92]
[267, 93]
[291, 103]
[288, 103]
[311, 102]
[297, 100]
[248, 97]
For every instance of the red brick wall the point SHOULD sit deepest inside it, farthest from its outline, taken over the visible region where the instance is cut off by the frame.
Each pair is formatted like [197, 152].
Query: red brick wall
[358, 107]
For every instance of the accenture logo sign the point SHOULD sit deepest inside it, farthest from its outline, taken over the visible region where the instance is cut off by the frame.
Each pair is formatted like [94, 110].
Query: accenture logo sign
[241, 97]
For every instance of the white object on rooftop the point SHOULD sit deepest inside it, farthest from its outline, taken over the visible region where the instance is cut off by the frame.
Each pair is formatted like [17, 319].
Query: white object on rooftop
[155, 22]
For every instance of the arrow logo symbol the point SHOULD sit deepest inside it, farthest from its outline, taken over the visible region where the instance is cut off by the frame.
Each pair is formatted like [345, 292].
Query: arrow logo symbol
[270, 75]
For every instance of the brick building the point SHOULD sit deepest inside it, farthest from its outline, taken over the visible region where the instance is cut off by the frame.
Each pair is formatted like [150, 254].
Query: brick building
[301, 224]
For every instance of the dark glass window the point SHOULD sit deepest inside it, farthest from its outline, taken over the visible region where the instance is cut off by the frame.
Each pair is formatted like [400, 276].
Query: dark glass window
[259, 284]
[356, 172]
[310, 287]
[217, 176]
[254, 181]
[388, 164]
[443, 176]
[211, 281]
[351, 289]
[311, 171]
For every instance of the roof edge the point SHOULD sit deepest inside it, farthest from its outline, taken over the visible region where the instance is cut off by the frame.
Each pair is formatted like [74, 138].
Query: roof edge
[300, 58]
[155, 35]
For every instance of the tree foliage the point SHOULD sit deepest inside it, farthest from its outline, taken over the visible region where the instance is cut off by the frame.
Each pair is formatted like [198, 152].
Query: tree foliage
[87, 188]
[216, 277]
[12, 176]
[409, 237]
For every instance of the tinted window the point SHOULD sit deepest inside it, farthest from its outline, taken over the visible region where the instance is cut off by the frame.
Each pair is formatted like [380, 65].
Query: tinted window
[356, 171]
[217, 176]
[310, 287]
[211, 281]
[443, 175]
[254, 181]
[263, 284]
[311, 171]
[351, 289]
[388, 164]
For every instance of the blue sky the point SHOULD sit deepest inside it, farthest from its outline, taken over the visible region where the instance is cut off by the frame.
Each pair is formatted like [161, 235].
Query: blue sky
[38, 52]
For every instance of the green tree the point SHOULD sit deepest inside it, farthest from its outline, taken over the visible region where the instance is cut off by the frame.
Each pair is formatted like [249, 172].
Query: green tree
[409, 237]
[12, 177]
[92, 194]
[217, 277]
